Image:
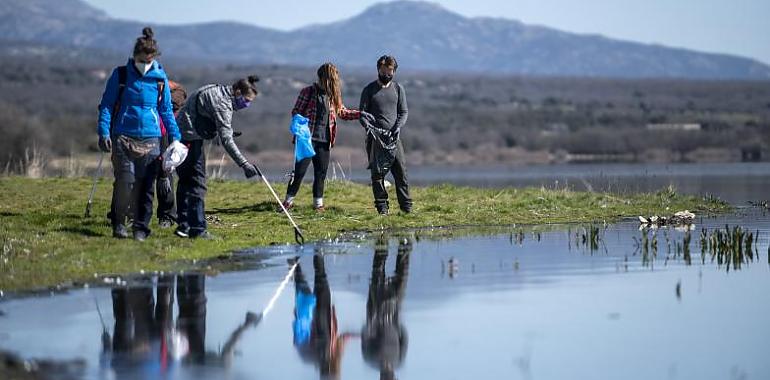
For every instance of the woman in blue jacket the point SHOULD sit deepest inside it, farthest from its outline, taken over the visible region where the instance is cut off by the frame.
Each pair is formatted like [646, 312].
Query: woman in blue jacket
[137, 97]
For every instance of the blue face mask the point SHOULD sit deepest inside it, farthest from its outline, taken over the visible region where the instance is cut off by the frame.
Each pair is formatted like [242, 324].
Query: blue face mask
[241, 103]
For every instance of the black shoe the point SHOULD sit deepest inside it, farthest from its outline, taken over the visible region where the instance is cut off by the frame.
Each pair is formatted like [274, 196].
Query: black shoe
[140, 235]
[119, 231]
[165, 223]
[182, 232]
[406, 210]
[205, 235]
[382, 211]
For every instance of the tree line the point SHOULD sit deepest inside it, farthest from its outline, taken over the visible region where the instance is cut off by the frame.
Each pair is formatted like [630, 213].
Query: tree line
[52, 107]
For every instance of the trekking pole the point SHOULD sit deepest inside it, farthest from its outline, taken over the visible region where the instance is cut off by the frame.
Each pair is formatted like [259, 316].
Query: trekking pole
[93, 186]
[278, 291]
[255, 318]
[106, 340]
[297, 233]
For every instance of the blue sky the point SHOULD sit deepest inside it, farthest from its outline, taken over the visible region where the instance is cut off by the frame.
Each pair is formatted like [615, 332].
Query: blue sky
[739, 27]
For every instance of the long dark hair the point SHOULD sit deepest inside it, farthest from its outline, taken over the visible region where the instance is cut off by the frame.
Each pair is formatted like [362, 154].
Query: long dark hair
[246, 87]
[329, 81]
[146, 44]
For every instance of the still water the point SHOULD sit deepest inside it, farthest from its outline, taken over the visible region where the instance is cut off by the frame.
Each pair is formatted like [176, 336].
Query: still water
[736, 183]
[505, 303]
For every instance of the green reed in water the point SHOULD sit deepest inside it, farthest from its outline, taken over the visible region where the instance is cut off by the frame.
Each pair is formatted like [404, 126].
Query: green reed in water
[734, 246]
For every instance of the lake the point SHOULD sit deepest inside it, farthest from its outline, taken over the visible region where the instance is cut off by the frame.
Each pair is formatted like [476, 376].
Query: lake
[734, 182]
[534, 302]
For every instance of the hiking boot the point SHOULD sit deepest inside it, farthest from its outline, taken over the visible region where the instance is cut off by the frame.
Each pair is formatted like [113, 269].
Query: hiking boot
[140, 235]
[182, 232]
[165, 223]
[205, 235]
[119, 231]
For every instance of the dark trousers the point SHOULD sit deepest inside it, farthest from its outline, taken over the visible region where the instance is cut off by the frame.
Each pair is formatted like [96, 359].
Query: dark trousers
[398, 169]
[133, 312]
[134, 188]
[166, 204]
[300, 282]
[191, 295]
[166, 207]
[320, 165]
[191, 189]
[321, 331]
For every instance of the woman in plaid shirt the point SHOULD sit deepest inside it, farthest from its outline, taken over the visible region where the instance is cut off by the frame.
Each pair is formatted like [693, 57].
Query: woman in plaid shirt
[322, 104]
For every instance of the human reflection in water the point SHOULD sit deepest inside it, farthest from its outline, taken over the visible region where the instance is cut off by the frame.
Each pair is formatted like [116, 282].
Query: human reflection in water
[147, 344]
[316, 335]
[141, 325]
[384, 339]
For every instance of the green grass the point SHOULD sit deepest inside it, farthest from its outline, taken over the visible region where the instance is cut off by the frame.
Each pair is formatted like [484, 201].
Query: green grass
[46, 240]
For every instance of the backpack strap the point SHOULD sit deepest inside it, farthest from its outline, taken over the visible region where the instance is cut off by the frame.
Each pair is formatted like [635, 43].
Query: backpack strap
[122, 75]
[161, 85]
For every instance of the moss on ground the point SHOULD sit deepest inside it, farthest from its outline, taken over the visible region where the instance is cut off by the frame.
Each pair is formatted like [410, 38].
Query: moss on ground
[46, 240]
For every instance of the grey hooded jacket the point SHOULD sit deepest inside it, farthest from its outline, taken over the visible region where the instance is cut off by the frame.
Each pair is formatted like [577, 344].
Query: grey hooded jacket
[216, 103]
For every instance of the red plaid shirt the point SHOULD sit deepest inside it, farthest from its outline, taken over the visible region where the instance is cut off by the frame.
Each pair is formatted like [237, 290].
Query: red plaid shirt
[306, 106]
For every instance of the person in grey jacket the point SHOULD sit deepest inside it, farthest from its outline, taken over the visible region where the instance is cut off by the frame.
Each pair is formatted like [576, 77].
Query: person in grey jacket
[385, 99]
[208, 113]
[384, 339]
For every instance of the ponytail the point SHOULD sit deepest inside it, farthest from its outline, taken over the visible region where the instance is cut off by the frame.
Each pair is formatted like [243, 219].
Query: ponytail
[146, 44]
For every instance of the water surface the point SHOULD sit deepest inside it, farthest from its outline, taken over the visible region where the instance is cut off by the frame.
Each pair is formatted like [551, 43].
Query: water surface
[513, 303]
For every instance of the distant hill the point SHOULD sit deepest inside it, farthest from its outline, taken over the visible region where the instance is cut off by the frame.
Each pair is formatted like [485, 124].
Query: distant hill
[424, 36]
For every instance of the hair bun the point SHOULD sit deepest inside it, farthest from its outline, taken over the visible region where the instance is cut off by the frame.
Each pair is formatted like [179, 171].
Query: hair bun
[253, 79]
[147, 32]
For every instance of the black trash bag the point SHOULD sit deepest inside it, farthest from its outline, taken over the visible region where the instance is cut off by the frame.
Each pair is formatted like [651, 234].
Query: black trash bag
[381, 146]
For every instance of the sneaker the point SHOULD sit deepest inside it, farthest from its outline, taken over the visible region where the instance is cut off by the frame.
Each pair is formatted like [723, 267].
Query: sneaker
[182, 232]
[205, 235]
[319, 208]
[140, 235]
[165, 223]
[119, 231]
[406, 210]
[382, 211]
[287, 205]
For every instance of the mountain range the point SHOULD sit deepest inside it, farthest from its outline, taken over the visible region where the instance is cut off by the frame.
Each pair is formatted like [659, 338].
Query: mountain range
[424, 36]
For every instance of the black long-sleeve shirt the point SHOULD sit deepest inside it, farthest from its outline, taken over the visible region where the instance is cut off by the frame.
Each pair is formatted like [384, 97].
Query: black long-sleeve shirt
[387, 104]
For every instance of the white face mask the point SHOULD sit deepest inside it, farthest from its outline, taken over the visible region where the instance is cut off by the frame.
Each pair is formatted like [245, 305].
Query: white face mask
[143, 67]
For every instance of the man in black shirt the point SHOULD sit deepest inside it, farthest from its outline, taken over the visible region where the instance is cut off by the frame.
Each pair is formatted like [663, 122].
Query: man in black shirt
[385, 99]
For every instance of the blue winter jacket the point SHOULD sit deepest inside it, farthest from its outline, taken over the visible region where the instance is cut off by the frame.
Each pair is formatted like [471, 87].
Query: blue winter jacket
[140, 111]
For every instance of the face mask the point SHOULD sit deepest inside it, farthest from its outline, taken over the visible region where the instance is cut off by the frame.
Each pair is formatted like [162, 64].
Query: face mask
[241, 103]
[143, 67]
[385, 79]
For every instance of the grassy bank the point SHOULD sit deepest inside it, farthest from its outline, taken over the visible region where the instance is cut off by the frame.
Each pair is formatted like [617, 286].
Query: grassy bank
[46, 240]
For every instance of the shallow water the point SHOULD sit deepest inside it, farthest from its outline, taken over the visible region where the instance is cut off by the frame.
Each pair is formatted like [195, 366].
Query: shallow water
[446, 304]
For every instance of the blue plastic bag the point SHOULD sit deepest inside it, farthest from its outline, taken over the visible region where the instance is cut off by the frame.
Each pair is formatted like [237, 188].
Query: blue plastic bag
[303, 146]
[304, 306]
